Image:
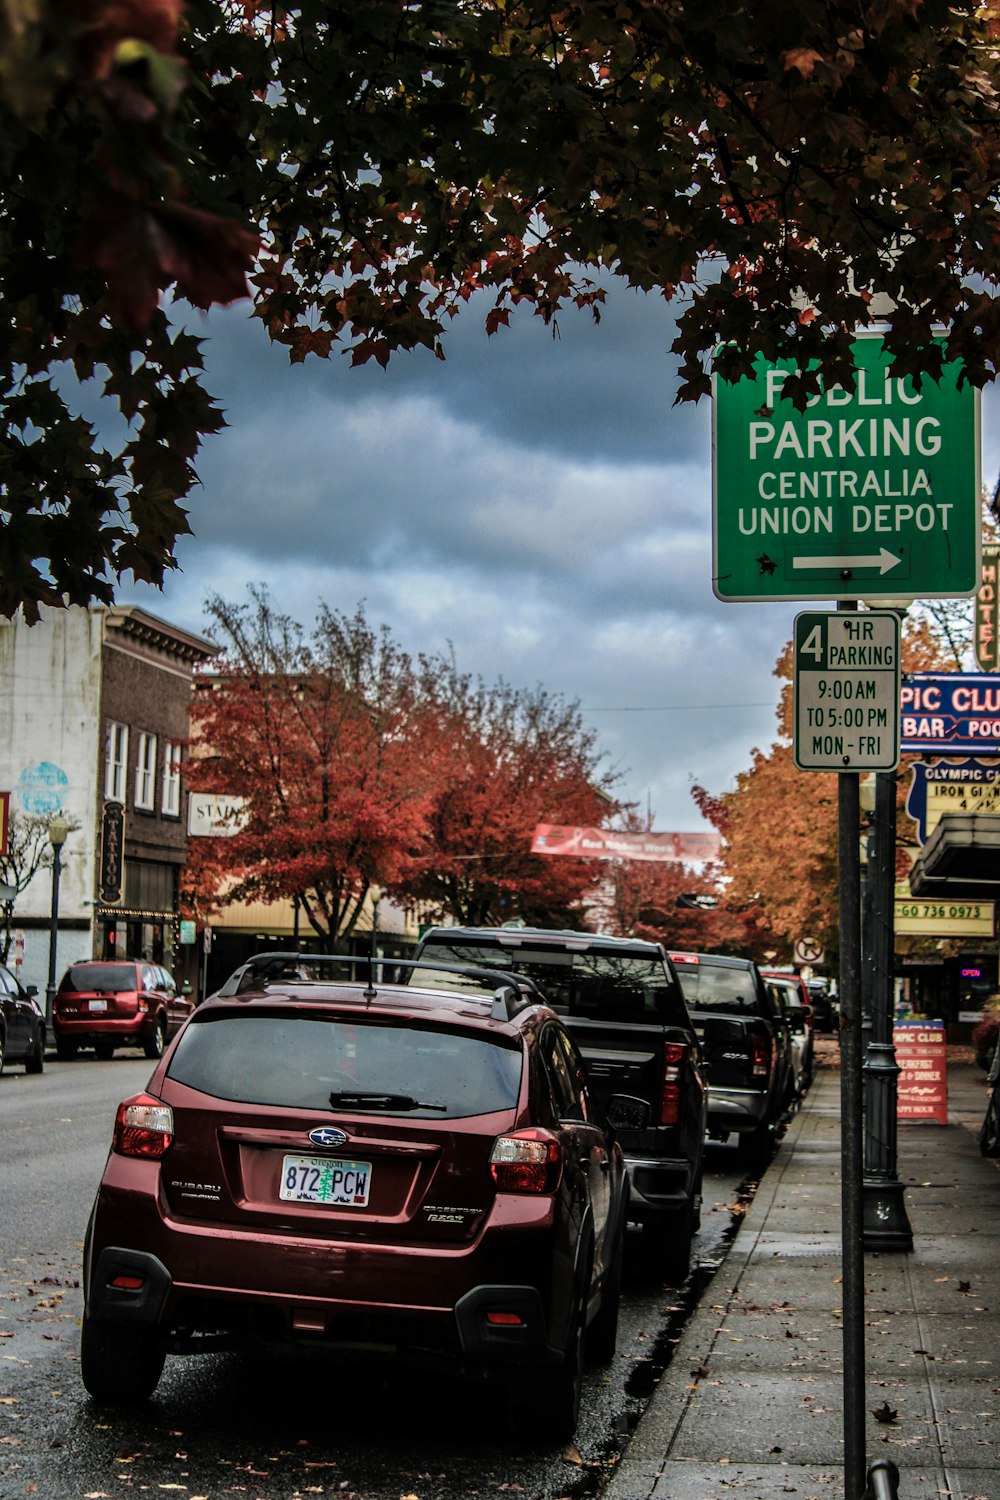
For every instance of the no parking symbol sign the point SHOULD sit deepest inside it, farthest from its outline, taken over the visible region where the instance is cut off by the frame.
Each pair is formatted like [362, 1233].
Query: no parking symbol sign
[808, 951]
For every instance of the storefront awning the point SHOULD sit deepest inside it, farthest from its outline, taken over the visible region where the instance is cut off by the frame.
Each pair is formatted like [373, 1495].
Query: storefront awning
[961, 859]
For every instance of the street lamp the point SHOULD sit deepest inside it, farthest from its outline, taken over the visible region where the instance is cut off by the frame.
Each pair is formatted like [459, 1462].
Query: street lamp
[58, 832]
[376, 895]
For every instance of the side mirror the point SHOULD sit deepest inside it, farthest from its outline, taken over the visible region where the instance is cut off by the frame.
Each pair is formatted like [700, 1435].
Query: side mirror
[31, 990]
[625, 1112]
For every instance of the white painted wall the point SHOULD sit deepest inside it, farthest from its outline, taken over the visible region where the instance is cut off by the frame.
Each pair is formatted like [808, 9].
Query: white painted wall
[50, 726]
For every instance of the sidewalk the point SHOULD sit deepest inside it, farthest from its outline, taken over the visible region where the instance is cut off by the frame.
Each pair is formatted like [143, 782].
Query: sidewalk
[751, 1406]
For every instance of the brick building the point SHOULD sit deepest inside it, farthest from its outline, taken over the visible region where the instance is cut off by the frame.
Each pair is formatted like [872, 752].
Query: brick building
[93, 719]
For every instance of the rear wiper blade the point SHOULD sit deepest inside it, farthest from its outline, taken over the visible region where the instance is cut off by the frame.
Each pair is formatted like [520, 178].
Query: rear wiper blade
[372, 1100]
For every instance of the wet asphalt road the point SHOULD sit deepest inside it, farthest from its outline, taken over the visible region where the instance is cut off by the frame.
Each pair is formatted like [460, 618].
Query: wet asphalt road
[269, 1427]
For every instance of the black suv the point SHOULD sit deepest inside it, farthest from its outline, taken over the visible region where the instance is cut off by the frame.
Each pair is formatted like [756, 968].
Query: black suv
[621, 1001]
[748, 1048]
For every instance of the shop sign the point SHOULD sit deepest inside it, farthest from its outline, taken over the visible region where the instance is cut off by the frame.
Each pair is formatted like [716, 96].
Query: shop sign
[112, 854]
[986, 640]
[951, 786]
[944, 918]
[216, 815]
[950, 713]
[922, 1086]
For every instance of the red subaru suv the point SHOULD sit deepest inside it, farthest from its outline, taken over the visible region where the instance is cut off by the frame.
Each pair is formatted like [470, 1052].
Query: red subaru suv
[117, 1003]
[368, 1166]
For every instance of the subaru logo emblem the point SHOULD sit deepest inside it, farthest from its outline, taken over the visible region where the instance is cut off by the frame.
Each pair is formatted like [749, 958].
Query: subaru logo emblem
[327, 1135]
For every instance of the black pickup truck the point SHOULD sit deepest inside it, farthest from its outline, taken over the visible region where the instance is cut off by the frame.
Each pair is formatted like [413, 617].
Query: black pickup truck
[746, 1043]
[620, 1000]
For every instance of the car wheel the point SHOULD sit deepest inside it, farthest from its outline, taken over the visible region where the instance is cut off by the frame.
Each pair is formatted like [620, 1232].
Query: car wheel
[547, 1409]
[666, 1245]
[2, 1041]
[35, 1060]
[156, 1043]
[120, 1365]
[65, 1050]
[602, 1335]
[105, 1050]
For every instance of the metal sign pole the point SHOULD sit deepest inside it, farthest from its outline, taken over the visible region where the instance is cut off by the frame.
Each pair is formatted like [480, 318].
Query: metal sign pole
[849, 809]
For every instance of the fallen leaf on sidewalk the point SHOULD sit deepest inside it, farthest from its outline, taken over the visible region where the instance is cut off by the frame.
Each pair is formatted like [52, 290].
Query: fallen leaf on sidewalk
[884, 1413]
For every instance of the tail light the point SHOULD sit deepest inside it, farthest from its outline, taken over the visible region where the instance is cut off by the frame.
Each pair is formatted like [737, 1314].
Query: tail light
[143, 1127]
[675, 1054]
[760, 1057]
[529, 1161]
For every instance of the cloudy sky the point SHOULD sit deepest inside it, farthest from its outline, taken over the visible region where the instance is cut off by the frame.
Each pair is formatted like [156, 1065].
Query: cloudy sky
[537, 504]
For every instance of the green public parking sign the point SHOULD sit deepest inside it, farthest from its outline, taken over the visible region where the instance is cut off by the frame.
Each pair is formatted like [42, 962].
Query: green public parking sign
[872, 494]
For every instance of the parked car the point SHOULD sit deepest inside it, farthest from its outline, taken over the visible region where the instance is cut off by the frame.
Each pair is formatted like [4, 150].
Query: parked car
[381, 1168]
[826, 1013]
[747, 1046]
[620, 1000]
[798, 1013]
[106, 1004]
[22, 1024]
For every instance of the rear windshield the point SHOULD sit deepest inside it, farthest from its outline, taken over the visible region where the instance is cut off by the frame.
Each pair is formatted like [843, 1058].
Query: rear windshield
[710, 986]
[110, 979]
[602, 986]
[316, 1062]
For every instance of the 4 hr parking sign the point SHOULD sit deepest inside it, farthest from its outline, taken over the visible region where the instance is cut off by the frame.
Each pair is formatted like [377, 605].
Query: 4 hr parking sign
[847, 690]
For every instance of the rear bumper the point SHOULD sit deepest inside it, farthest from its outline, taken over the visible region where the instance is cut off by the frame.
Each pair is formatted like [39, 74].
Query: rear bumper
[492, 1328]
[198, 1282]
[84, 1029]
[736, 1110]
[658, 1187]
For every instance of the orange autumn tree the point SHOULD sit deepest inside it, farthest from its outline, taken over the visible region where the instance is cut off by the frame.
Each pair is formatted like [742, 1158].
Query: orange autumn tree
[333, 741]
[779, 826]
[515, 758]
[658, 902]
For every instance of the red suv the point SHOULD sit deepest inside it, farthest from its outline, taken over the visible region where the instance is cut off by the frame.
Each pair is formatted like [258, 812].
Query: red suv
[112, 1004]
[371, 1167]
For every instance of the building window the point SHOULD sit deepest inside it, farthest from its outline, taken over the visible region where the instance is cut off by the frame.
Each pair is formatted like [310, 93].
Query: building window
[145, 773]
[117, 764]
[172, 780]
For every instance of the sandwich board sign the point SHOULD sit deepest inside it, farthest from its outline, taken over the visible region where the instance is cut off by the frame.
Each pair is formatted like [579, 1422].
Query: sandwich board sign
[870, 494]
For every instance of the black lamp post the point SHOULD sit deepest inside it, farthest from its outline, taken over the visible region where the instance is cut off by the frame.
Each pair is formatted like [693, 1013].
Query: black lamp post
[885, 1223]
[58, 832]
[376, 895]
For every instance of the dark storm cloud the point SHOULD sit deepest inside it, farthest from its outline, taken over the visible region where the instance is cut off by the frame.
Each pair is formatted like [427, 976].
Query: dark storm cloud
[535, 506]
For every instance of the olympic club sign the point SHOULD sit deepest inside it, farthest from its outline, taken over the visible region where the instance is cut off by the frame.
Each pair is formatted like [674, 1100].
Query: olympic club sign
[950, 713]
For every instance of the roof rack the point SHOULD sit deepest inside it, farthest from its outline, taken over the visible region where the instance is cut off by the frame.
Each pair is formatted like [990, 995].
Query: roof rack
[511, 993]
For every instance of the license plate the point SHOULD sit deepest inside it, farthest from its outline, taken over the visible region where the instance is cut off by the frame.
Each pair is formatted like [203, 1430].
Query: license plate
[326, 1180]
[97, 1005]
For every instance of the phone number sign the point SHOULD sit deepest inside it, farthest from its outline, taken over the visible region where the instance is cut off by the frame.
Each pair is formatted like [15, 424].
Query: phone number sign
[945, 918]
[847, 690]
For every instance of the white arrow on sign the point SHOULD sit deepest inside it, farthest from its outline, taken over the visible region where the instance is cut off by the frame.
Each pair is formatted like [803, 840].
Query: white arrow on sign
[885, 561]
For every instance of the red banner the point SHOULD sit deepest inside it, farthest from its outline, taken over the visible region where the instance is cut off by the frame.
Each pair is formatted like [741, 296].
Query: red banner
[603, 843]
[922, 1086]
